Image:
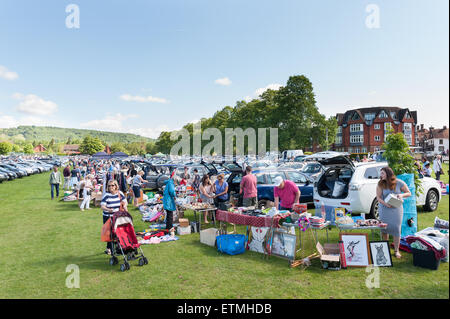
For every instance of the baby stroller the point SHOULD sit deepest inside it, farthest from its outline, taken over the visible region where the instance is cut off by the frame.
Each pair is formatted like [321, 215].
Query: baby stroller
[124, 241]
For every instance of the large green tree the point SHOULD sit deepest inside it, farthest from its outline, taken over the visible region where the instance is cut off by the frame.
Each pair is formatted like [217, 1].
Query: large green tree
[91, 145]
[5, 148]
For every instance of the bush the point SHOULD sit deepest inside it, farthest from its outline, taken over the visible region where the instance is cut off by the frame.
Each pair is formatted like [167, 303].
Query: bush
[5, 148]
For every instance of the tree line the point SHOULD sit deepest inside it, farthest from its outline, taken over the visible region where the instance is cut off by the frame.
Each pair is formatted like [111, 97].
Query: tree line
[292, 109]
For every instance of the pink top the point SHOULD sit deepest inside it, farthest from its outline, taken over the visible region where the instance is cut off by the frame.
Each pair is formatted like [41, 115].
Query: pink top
[287, 194]
[248, 186]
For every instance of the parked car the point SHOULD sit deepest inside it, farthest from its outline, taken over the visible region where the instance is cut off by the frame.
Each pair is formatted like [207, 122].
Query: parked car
[18, 171]
[11, 175]
[313, 169]
[265, 183]
[353, 186]
[3, 177]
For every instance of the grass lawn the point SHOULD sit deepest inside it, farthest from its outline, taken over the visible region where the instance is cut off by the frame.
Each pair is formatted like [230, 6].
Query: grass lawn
[40, 238]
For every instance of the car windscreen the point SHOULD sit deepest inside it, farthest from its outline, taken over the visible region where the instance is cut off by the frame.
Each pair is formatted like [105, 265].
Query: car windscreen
[312, 168]
[272, 175]
[296, 177]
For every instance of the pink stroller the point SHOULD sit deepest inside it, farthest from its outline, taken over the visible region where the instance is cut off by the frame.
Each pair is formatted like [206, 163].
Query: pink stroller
[124, 241]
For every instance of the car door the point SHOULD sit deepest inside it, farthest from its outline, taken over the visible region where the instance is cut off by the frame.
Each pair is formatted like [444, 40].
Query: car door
[305, 186]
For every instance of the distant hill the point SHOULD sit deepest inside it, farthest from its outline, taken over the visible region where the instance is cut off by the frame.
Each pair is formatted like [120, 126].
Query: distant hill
[46, 133]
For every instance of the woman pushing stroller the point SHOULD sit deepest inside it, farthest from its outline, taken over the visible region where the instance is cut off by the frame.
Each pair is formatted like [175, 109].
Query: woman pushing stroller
[112, 202]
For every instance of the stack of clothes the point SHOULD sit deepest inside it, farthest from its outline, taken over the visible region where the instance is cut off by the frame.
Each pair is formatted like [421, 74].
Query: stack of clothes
[429, 239]
[155, 237]
[317, 221]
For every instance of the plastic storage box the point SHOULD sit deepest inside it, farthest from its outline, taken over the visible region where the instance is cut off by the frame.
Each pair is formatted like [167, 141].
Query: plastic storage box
[425, 259]
[208, 236]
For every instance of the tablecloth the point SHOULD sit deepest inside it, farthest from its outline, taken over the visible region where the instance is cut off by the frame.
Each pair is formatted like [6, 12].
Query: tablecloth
[241, 219]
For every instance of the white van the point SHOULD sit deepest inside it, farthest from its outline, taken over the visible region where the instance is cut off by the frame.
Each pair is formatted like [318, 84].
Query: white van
[353, 186]
[291, 153]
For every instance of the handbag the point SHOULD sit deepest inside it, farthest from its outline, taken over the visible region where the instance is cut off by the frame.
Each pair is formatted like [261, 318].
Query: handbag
[231, 244]
[106, 231]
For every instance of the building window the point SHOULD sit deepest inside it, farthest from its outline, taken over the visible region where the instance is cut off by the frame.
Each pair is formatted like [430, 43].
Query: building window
[387, 126]
[356, 138]
[377, 138]
[356, 128]
[338, 140]
[408, 116]
[355, 116]
[394, 115]
[356, 150]
[408, 138]
[377, 126]
[350, 149]
[364, 150]
[369, 116]
[339, 129]
[383, 115]
[407, 126]
[441, 141]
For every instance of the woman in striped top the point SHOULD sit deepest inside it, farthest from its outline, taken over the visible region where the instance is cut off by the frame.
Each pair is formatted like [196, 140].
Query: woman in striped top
[111, 203]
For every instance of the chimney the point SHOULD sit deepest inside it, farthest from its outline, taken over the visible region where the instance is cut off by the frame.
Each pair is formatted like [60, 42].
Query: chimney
[445, 127]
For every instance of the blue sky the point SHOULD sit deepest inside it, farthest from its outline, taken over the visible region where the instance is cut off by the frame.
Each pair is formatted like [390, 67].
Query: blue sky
[146, 66]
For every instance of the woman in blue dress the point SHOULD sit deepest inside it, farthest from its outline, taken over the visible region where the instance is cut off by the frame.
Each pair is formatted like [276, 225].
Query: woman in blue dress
[392, 216]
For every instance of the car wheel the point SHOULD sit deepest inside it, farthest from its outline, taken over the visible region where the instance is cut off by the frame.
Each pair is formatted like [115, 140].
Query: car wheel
[374, 212]
[431, 203]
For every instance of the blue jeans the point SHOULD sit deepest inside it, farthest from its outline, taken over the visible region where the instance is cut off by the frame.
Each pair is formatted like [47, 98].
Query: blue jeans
[57, 189]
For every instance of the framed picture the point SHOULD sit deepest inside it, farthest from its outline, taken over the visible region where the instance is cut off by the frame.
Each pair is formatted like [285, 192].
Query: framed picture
[284, 245]
[356, 249]
[380, 253]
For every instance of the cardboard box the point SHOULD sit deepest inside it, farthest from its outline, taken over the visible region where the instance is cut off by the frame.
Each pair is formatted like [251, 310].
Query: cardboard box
[393, 200]
[329, 255]
[184, 230]
[184, 222]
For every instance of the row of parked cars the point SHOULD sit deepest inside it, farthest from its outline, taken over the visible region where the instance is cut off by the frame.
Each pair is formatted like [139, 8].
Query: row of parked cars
[17, 168]
[326, 178]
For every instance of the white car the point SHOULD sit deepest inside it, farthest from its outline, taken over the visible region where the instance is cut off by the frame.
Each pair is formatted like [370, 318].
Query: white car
[353, 186]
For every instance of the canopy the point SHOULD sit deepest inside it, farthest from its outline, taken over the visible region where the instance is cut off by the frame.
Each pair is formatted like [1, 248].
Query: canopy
[119, 154]
[101, 155]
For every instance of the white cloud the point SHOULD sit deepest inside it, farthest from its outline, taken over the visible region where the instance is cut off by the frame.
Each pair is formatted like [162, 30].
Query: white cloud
[7, 121]
[33, 104]
[110, 122]
[7, 75]
[152, 132]
[142, 99]
[273, 86]
[223, 81]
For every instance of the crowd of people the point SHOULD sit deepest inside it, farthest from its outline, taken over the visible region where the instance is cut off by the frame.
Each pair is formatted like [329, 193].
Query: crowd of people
[424, 167]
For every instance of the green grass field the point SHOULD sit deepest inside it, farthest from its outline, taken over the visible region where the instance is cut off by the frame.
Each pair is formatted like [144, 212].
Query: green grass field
[39, 238]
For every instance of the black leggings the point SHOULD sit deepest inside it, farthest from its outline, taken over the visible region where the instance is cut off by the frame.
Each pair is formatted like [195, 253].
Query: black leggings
[169, 219]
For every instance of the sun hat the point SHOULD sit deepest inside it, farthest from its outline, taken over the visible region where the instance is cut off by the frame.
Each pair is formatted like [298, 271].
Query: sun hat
[278, 180]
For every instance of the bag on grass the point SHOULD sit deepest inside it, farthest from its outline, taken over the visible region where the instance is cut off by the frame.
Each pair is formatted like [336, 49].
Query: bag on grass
[231, 244]
[106, 231]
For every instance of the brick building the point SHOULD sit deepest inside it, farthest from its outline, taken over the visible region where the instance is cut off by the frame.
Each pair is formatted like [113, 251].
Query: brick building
[39, 149]
[71, 149]
[364, 130]
[434, 140]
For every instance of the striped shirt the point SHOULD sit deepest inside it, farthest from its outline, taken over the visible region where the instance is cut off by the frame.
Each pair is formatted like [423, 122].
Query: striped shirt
[112, 202]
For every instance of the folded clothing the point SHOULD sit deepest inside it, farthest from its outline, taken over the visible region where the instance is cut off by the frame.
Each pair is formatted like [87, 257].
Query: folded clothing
[439, 251]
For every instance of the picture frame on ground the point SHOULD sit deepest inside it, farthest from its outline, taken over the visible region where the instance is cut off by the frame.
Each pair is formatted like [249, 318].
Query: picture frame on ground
[357, 251]
[380, 253]
[284, 245]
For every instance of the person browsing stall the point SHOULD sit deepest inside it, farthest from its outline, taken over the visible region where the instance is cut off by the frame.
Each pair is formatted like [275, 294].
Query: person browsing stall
[286, 193]
[248, 188]
[221, 190]
[169, 204]
[136, 185]
[206, 193]
[392, 216]
[111, 203]
[55, 181]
